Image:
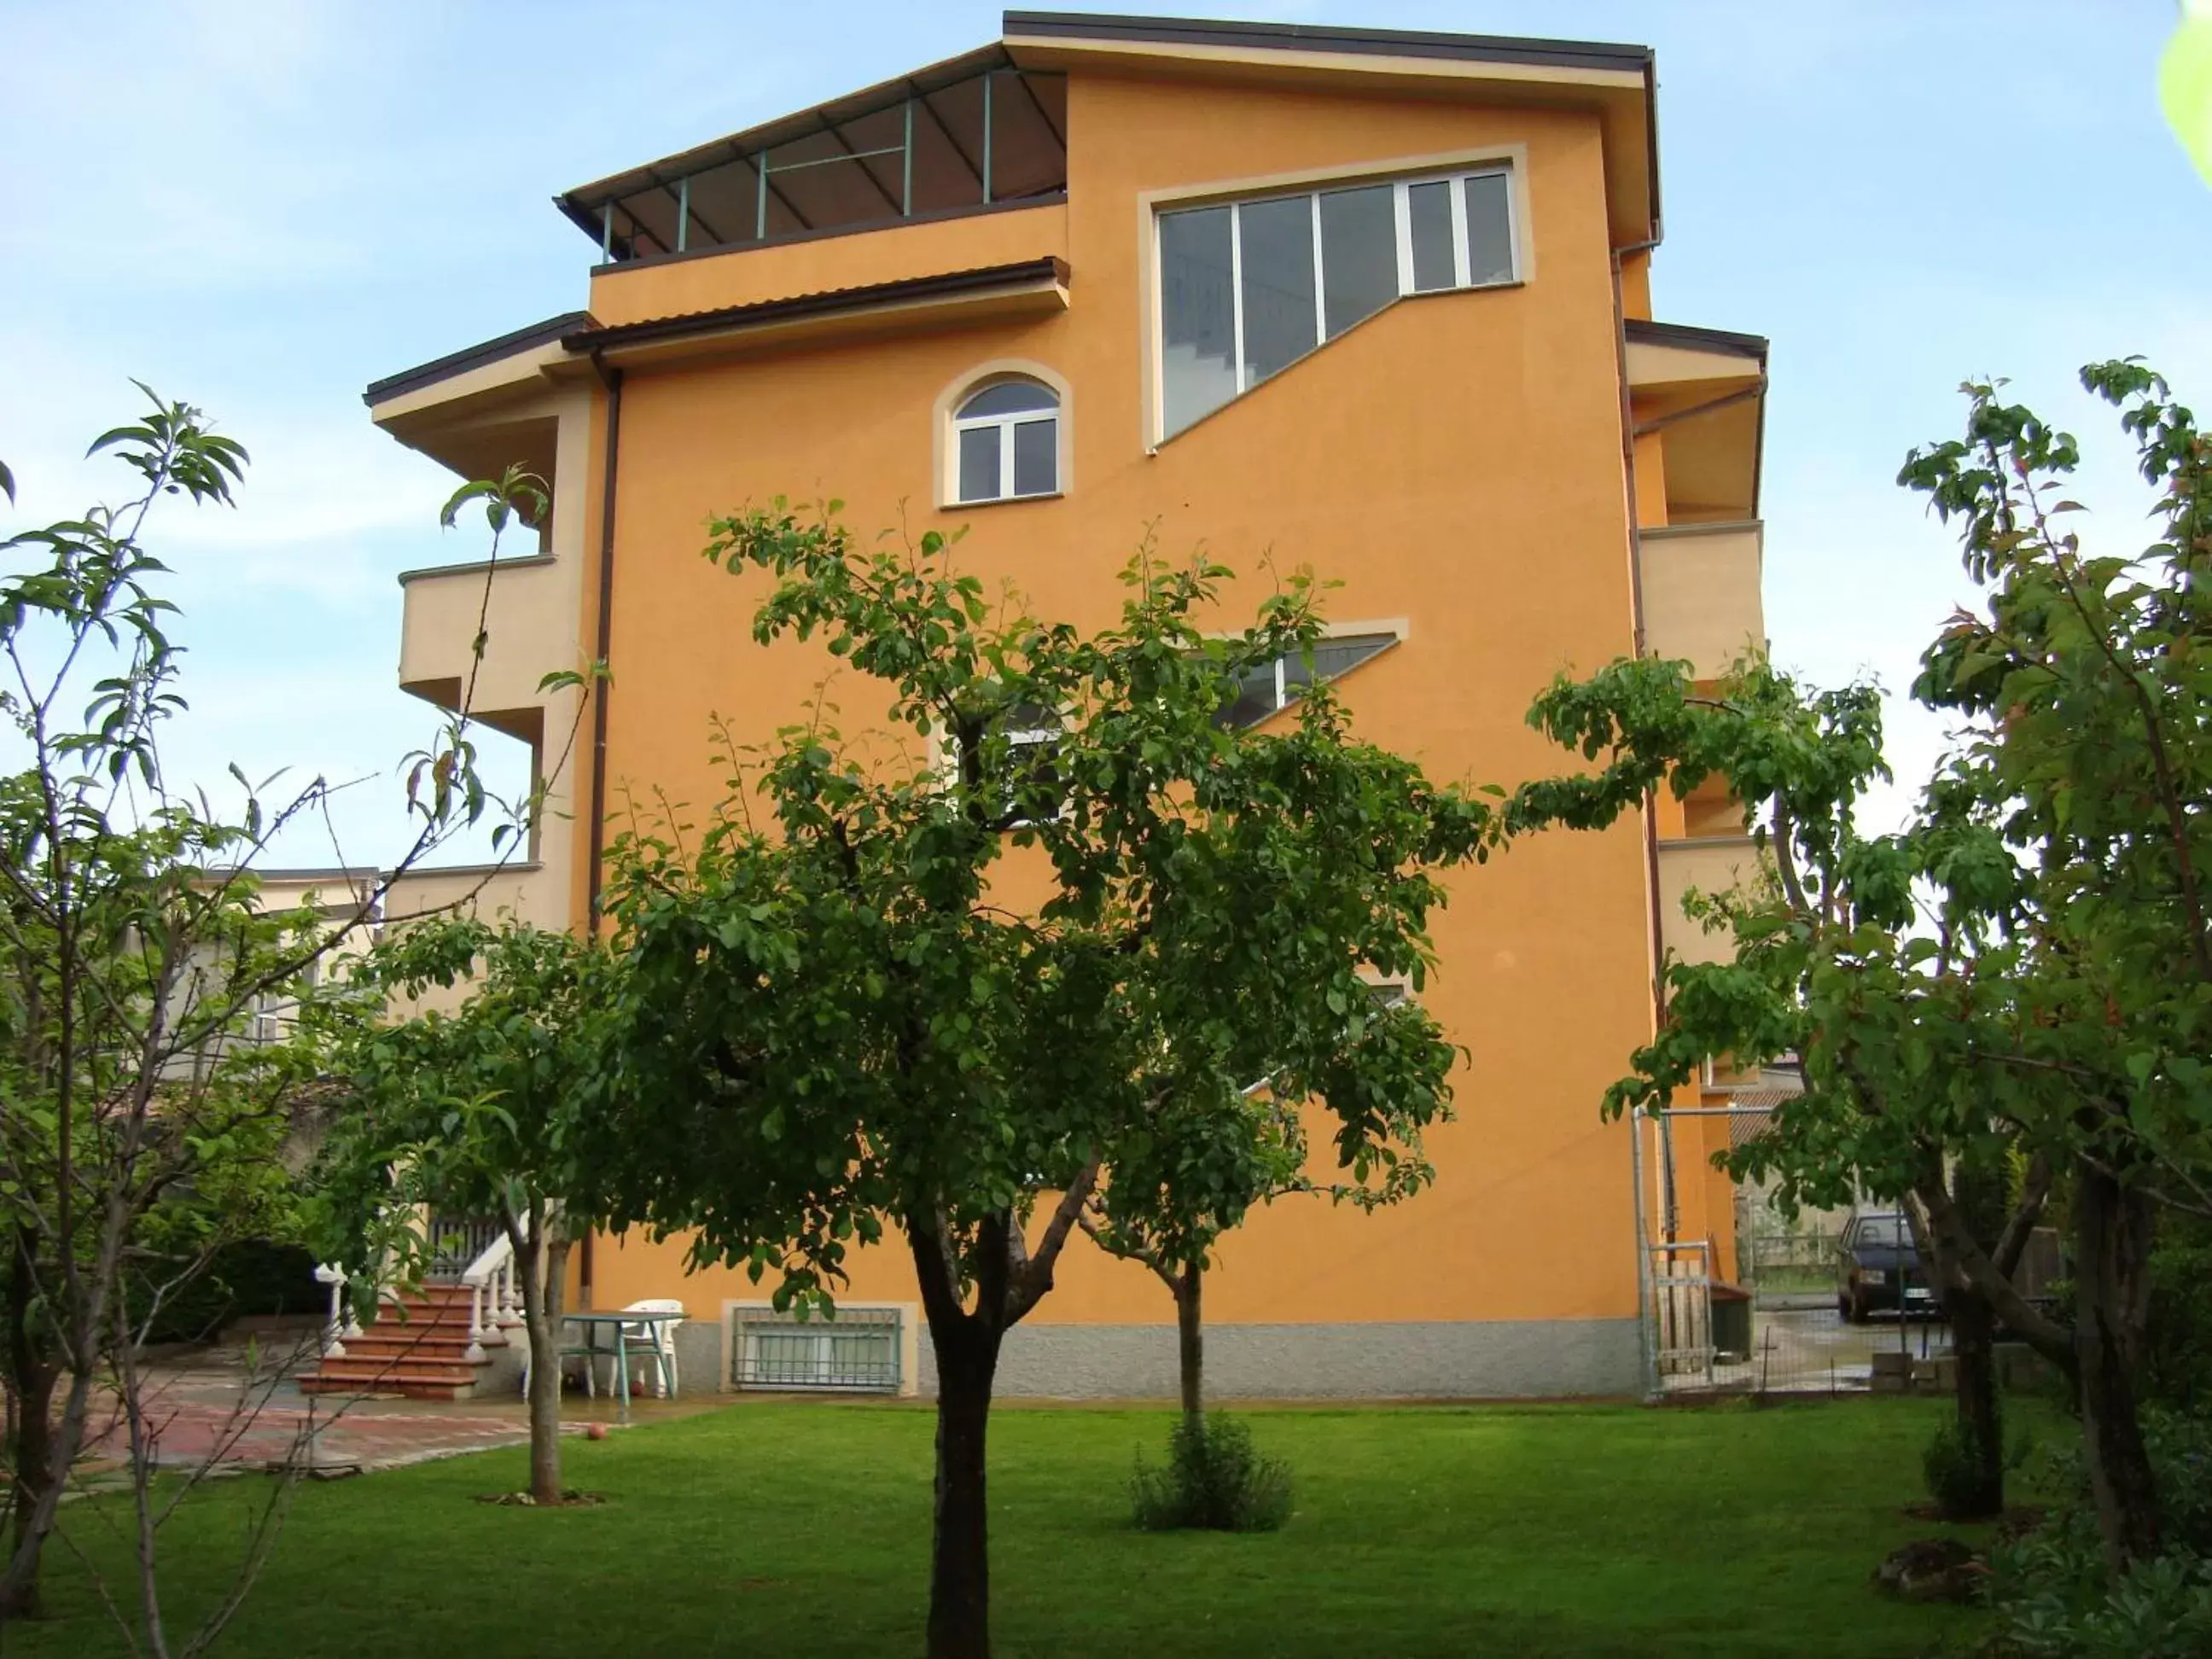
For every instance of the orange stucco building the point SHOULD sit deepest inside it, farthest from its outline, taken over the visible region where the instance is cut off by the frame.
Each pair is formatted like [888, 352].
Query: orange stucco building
[1369, 301]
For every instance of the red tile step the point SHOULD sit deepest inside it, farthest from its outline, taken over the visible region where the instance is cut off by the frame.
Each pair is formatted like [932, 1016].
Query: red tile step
[417, 1346]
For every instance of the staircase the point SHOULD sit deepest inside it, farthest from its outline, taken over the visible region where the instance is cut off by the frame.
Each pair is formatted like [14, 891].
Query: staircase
[418, 1347]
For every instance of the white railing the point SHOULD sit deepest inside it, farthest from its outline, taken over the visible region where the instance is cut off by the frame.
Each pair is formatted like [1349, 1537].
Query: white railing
[495, 1299]
[490, 1280]
[341, 1323]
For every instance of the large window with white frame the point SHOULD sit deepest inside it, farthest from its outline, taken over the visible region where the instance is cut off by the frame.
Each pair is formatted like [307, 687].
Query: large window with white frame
[1248, 288]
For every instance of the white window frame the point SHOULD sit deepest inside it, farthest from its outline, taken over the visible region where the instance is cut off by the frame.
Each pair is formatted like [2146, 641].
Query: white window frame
[945, 758]
[1004, 425]
[1400, 185]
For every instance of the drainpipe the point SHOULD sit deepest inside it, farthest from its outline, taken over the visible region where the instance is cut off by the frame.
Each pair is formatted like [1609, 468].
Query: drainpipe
[611, 379]
[1656, 922]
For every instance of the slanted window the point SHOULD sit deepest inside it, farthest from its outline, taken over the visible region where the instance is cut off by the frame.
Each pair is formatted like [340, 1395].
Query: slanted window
[1248, 288]
[1275, 685]
[1006, 443]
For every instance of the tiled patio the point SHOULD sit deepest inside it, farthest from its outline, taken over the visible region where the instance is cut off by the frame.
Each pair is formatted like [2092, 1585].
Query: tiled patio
[213, 1405]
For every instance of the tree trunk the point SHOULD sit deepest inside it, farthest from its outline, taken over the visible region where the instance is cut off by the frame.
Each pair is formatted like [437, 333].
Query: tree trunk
[32, 1377]
[1190, 1345]
[1981, 1425]
[541, 1273]
[33, 1474]
[1978, 1191]
[2112, 1240]
[959, 1567]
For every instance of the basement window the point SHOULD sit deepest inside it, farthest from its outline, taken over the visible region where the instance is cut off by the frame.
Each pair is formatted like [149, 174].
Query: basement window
[1248, 288]
[855, 1352]
[1274, 686]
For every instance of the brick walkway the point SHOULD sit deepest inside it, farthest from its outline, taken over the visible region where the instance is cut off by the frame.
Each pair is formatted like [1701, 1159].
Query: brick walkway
[206, 1405]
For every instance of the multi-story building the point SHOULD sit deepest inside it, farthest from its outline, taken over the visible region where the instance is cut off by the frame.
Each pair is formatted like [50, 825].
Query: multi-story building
[1371, 301]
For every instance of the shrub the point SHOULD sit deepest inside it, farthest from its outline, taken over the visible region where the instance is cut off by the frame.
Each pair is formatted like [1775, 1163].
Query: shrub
[1214, 1479]
[2162, 1609]
[1951, 1467]
[2055, 1599]
[2177, 1368]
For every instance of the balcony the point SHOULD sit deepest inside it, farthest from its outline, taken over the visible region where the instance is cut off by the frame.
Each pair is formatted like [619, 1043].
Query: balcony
[1701, 593]
[489, 891]
[1710, 866]
[1698, 400]
[530, 608]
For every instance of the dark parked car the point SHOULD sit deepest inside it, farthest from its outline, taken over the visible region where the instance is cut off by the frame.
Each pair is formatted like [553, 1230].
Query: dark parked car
[1878, 1269]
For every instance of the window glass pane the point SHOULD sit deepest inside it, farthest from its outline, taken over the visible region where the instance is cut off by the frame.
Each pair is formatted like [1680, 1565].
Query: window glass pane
[979, 463]
[1254, 700]
[1359, 254]
[1335, 656]
[1033, 791]
[1198, 344]
[1009, 398]
[1489, 229]
[1278, 269]
[1036, 457]
[1430, 208]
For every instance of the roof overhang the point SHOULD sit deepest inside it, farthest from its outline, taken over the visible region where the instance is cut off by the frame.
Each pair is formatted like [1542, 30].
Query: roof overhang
[1617, 82]
[1703, 393]
[478, 410]
[1038, 285]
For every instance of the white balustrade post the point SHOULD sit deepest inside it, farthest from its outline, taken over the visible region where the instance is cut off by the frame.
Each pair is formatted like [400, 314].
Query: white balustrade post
[509, 1315]
[477, 1294]
[330, 1274]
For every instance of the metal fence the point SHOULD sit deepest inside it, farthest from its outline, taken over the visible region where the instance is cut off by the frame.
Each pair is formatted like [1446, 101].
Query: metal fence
[1761, 1317]
[1783, 1268]
[456, 1241]
[856, 1350]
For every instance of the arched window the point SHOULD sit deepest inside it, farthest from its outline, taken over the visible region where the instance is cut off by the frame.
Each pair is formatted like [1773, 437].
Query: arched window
[1007, 441]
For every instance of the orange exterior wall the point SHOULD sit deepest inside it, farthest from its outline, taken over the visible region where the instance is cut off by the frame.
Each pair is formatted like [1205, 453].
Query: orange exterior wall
[1455, 462]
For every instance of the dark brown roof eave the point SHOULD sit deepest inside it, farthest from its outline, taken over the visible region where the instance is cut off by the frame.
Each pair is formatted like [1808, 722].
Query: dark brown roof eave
[476, 356]
[946, 286]
[1312, 37]
[1708, 339]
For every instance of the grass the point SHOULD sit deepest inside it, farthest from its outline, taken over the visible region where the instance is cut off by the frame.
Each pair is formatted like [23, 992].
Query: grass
[771, 1530]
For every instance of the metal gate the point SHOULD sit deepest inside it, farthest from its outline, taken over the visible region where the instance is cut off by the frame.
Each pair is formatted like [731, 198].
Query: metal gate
[1761, 1317]
[1679, 1311]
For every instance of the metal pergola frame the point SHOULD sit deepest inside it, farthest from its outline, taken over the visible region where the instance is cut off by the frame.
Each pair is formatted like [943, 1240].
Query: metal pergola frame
[604, 216]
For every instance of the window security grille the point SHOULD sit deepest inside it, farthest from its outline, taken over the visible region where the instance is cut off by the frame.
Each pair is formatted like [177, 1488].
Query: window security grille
[856, 1352]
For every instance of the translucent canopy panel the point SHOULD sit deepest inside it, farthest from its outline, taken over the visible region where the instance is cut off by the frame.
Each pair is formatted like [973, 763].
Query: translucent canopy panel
[978, 136]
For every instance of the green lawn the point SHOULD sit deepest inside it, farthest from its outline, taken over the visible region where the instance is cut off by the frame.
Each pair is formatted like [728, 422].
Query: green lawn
[775, 1529]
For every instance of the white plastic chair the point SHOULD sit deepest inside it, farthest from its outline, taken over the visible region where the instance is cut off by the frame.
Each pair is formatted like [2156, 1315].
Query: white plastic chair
[652, 1343]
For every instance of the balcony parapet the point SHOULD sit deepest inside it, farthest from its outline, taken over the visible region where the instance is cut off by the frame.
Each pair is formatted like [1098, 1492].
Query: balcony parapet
[1711, 865]
[1701, 593]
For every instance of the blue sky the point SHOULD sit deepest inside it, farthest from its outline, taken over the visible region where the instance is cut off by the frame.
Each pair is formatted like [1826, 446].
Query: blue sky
[261, 207]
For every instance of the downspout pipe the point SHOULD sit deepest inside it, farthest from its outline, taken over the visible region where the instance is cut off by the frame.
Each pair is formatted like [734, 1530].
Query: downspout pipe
[1655, 920]
[611, 379]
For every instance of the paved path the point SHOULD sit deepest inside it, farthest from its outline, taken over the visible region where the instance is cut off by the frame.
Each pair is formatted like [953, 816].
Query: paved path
[210, 1406]
[1816, 1349]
